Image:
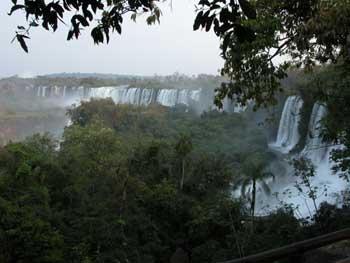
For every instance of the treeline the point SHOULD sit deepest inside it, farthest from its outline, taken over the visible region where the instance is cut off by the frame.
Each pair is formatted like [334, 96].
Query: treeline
[95, 80]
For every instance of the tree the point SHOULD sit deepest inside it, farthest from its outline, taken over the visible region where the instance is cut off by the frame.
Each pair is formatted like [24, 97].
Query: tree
[27, 231]
[304, 171]
[253, 172]
[254, 33]
[183, 147]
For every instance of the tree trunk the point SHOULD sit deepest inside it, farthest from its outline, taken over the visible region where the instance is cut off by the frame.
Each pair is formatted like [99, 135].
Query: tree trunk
[183, 174]
[347, 47]
[253, 201]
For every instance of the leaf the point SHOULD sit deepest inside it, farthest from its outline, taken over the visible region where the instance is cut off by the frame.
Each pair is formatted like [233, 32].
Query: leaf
[88, 14]
[204, 2]
[81, 19]
[106, 30]
[209, 23]
[225, 43]
[205, 18]
[34, 24]
[118, 28]
[20, 39]
[16, 7]
[214, 7]
[216, 27]
[58, 8]
[97, 35]
[70, 34]
[244, 33]
[225, 15]
[198, 21]
[247, 9]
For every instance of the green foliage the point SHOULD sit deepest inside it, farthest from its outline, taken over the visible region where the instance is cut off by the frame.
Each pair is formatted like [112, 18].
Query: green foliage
[253, 172]
[110, 191]
[254, 33]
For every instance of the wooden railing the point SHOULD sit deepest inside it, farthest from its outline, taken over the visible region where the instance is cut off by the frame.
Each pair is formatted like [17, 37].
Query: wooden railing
[296, 248]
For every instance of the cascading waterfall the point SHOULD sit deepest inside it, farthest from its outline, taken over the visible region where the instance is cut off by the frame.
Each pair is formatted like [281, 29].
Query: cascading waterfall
[167, 97]
[121, 94]
[319, 154]
[183, 97]
[315, 149]
[328, 185]
[124, 94]
[133, 96]
[288, 133]
[146, 97]
[117, 94]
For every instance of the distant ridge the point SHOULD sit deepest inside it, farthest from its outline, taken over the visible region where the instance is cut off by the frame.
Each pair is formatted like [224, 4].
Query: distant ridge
[79, 75]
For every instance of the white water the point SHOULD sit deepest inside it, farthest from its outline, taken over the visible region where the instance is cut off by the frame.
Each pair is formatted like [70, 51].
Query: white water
[329, 185]
[121, 95]
[288, 133]
[315, 149]
[167, 97]
[135, 96]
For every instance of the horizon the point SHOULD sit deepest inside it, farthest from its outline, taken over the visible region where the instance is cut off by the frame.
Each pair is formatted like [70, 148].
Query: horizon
[90, 74]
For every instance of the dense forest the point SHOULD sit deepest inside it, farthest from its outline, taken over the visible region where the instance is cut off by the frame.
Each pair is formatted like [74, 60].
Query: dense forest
[143, 184]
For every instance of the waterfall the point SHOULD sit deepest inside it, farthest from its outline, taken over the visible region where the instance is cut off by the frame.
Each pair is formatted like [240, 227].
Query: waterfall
[123, 94]
[140, 96]
[167, 97]
[329, 186]
[117, 94]
[146, 97]
[183, 97]
[319, 154]
[44, 91]
[288, 133]
[103, 92]
[195, 95]
[315, 149]
[132, 96]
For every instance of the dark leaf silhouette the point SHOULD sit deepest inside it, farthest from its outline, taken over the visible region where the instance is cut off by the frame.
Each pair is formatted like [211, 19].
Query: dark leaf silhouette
[20, 39]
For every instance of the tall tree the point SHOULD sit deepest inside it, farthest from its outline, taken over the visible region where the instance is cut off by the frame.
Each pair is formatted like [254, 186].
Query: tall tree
[253, 176]
[183, 147]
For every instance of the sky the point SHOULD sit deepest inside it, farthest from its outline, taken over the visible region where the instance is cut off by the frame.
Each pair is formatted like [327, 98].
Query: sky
[162, 49]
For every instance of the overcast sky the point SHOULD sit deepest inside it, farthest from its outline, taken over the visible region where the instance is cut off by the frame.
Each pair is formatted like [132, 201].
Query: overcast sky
[161, 49]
